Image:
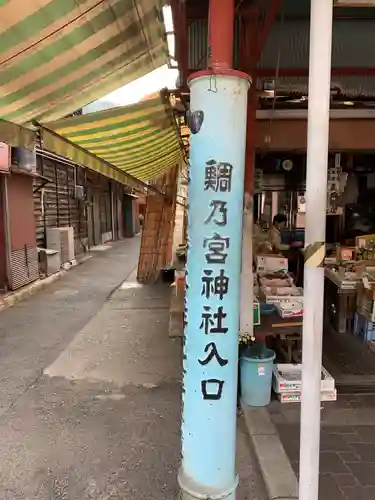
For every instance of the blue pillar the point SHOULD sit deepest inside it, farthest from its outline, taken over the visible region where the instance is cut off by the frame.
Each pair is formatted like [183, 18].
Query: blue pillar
[218, 107]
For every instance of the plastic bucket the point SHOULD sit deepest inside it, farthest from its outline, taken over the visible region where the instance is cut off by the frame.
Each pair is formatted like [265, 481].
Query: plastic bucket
[256, 378]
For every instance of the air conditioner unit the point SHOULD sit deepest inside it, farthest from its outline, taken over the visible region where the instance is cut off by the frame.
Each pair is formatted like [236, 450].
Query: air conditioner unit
[79, 192]
[62, 240]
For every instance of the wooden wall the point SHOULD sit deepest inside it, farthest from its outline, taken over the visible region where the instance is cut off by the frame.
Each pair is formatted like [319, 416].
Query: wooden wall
[55, 204]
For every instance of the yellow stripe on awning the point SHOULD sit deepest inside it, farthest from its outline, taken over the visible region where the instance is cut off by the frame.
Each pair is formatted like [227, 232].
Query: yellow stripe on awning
[141, 140]
[56, 56]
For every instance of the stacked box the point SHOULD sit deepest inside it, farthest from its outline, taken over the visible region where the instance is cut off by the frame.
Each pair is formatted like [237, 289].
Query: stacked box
[271, 264]
[287, 383]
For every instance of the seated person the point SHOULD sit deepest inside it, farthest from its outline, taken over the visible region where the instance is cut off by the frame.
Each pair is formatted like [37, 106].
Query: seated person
[278, 224]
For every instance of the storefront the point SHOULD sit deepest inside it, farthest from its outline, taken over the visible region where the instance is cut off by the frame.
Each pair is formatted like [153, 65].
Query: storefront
[70, 195]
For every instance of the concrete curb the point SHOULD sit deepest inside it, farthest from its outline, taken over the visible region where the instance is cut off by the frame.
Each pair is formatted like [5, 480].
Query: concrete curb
[13, 298]
[23, 293]
[279, 478]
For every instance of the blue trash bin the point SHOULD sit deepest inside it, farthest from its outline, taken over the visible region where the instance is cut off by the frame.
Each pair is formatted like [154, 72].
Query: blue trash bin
[256, 378]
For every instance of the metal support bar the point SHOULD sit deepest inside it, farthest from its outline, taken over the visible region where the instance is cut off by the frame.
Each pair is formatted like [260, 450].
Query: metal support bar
[131, 177]
[316, 182]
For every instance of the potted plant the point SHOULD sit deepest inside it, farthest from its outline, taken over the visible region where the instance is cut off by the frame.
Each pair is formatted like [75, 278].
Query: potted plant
[256, 367]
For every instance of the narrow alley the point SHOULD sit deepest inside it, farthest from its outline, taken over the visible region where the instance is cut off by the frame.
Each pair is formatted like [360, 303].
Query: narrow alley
[90, 399]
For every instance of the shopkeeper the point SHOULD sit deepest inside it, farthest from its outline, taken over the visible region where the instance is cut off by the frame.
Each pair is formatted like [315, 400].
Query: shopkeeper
[278, 225]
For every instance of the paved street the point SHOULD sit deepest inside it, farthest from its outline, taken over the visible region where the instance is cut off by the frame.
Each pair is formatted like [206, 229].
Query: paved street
[90, 399]
[347, 459]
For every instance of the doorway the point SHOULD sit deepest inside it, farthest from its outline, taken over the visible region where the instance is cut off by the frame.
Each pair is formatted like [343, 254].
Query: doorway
[93, 217]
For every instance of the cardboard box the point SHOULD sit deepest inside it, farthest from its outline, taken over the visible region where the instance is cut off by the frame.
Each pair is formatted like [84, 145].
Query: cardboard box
[295, 397]
[276, 282]
[287, 378]
[282, 294]
[346, 253]
[271, 264]
[290, 309]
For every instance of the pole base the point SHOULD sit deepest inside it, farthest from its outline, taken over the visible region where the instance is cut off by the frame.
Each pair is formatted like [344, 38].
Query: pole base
[190, 490]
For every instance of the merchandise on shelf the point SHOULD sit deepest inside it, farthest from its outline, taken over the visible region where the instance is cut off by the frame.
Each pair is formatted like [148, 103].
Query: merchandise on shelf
[288, 378]
[271, 264]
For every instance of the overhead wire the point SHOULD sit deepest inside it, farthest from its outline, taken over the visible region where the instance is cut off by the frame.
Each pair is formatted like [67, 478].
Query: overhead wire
[33, 45]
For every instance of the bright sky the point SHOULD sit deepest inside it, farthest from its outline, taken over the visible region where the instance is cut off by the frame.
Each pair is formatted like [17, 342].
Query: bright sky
[154, 81]
[137, 90]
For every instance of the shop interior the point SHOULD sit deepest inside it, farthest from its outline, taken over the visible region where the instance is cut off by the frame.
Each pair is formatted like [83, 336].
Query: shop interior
[349, 264]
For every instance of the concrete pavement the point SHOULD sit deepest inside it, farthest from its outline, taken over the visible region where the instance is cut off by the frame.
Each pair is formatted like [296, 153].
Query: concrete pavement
[90, 395]
[347, 455]
[33, 332]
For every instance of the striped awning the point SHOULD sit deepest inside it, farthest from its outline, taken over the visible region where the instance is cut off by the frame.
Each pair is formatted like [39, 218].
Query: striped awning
[141, 140]
[59, 55]
[16, 136]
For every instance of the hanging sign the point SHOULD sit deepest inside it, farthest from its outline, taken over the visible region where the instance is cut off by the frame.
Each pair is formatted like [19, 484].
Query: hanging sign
[4, 157]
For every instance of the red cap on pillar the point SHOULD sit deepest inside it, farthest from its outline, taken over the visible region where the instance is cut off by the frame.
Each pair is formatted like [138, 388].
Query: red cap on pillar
[221, 34]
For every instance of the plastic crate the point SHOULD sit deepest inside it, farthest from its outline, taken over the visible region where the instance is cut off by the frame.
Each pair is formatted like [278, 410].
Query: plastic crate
[295, 397]
[287, 378]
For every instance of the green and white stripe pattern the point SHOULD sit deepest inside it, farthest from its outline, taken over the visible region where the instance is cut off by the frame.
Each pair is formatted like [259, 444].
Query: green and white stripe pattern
[59, 55]
[141, 139]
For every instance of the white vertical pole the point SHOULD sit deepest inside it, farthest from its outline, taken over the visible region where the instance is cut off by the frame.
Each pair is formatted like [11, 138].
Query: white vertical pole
[316, 182]
[247, 276]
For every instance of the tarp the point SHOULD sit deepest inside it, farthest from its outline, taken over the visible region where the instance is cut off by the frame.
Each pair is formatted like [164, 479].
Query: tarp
[59, 55]
[141, 140]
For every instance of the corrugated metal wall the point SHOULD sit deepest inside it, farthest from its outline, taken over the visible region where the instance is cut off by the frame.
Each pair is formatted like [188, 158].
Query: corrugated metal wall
[351, 44]
[288, 42]
[55, 205]
[351, 48]
[197, 33]
[24, 267]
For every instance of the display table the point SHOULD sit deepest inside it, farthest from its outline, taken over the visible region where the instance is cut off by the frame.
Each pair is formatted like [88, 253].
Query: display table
[286, 332]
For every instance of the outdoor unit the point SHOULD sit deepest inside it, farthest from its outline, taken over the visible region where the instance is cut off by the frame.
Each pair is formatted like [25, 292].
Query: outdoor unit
[61, 239]
[49, 261]
[79, 192]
